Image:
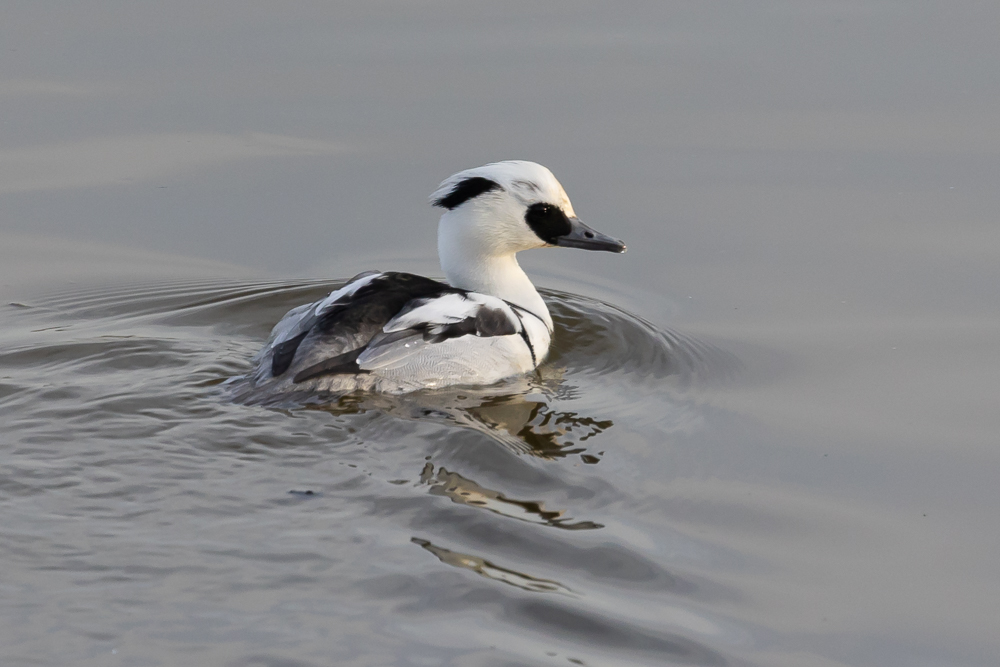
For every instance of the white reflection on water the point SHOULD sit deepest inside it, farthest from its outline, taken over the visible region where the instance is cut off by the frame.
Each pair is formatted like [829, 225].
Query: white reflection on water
[12, 88]
[127, 159]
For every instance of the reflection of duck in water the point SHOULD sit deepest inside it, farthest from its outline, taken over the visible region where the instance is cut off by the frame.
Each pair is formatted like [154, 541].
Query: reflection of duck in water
[533, 427]
[516, 414]
[485, 568]
[464, 491]
[398, 332]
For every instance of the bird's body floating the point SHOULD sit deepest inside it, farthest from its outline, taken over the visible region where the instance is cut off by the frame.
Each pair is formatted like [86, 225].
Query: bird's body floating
[399, 332]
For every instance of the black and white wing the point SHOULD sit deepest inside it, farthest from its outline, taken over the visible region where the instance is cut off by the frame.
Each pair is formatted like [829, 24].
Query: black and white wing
[385, 322]
[426, 322]
[289, 334]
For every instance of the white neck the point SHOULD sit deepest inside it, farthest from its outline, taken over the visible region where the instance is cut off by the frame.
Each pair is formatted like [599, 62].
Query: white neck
[468, 265]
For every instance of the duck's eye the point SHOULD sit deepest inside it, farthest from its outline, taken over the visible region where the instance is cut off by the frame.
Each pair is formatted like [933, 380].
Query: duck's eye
[547, 221]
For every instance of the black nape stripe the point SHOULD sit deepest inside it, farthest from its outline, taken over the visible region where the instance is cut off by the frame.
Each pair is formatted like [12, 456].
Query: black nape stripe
[466, 190]
[548, 222]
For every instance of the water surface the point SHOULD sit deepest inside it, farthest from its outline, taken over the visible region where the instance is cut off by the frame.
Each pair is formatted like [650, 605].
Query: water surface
[767, 434]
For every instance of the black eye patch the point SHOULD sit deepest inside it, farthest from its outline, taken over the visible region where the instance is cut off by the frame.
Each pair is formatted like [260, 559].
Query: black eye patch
[466, 190]
[548, 222]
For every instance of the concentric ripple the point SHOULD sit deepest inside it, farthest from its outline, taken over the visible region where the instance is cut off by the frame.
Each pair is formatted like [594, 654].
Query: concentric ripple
[116, 412]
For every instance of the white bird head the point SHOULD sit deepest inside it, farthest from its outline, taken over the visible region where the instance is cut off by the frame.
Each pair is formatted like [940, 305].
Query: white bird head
[505, 207]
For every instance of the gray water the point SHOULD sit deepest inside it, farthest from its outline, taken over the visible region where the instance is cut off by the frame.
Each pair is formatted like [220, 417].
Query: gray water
[767, 435]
